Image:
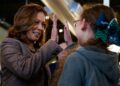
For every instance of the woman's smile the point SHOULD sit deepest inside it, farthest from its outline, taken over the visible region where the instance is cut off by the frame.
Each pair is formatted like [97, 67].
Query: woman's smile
[36, 33]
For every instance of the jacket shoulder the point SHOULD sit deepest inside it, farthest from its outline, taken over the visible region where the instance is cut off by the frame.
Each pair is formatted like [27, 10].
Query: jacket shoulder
[10, 41]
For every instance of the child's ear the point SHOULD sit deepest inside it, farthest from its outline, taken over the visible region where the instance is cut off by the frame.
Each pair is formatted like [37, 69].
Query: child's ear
[84, 24]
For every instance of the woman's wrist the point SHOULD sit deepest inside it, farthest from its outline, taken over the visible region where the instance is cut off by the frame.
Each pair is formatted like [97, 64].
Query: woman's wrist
[54, 25]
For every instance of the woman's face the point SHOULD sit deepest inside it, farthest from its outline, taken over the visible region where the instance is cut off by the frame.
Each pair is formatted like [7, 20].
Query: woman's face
[35, 32]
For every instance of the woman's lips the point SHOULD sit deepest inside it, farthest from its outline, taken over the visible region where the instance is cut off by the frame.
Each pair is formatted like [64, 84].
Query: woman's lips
[37, 34]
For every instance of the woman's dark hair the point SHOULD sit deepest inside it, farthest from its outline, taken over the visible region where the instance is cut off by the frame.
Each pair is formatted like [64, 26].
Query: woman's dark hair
[24, 20]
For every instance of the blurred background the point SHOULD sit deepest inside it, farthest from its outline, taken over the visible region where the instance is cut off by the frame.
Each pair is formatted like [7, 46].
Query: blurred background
[9, 7]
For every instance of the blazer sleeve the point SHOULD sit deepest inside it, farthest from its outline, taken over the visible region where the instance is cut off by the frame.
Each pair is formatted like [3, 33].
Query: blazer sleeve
[23, 65]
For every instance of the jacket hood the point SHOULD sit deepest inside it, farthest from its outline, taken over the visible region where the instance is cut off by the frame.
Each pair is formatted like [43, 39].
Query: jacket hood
[106, 62]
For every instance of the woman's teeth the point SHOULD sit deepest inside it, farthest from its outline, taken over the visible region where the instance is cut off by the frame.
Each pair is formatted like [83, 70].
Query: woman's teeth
[37, 34]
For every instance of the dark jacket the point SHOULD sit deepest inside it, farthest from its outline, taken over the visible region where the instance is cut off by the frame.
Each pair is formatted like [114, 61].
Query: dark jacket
[90, 66]
[21, 66]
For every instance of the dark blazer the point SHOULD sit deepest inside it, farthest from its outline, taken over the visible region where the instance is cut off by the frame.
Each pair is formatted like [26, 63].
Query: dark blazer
[21, 67]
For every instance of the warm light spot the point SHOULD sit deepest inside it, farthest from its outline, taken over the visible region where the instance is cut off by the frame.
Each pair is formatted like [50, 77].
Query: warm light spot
[60, 30]
[47, 17]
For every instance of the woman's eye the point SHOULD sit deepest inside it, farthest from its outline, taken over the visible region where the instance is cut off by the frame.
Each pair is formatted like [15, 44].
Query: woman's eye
[36, 22]
[44, 24]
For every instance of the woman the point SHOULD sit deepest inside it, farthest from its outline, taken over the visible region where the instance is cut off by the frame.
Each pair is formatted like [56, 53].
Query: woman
[23, 62]
[92, 64]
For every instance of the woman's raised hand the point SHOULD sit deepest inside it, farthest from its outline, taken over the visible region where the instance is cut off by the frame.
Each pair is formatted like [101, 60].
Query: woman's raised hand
[54, 32]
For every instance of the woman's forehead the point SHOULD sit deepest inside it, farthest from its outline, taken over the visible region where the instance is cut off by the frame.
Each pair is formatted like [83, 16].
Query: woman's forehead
[40, 16]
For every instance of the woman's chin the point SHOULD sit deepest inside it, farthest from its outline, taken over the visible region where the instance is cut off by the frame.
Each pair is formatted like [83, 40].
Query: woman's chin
[34, 39]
